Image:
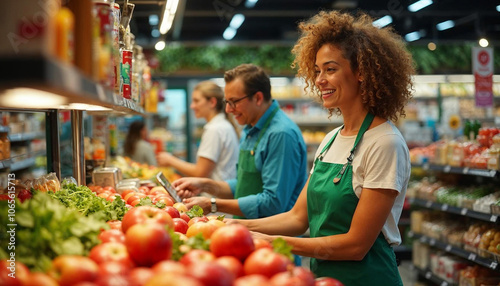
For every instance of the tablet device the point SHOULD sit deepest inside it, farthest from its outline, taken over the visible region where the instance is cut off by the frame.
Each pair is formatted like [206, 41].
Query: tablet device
[166, 184]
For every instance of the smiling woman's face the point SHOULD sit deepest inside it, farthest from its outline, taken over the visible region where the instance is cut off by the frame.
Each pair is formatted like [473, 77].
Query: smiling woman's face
[338, 85]
[200, 105]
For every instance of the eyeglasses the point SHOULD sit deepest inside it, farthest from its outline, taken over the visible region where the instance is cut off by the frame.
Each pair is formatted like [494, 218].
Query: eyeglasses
[232, 103]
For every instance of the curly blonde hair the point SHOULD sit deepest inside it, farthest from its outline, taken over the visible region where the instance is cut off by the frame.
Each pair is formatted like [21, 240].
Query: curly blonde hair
[379, 55]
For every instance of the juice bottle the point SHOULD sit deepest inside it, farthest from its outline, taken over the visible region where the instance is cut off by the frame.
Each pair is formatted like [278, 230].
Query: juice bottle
[65, 23]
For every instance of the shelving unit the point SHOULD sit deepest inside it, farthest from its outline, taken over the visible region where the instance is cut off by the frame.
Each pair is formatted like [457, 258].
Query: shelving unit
[68, 89]
[488, 262]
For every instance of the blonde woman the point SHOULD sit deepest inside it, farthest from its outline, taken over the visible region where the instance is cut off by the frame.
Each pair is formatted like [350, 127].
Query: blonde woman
[218, 151]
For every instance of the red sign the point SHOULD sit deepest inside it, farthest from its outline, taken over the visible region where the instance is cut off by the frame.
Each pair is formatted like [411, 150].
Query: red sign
[482, 65]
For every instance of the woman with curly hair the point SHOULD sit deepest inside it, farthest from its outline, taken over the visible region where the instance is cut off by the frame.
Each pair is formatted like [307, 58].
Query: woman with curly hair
[354, 196]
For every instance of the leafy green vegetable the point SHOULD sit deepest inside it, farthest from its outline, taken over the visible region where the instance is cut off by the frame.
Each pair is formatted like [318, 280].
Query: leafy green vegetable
[195, 211]
[85, 201]
[181, 247]
[46, 229]
[281, 246]
[148, 202]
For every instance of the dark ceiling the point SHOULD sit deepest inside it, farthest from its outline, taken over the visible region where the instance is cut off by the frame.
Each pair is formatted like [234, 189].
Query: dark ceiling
[201, 22]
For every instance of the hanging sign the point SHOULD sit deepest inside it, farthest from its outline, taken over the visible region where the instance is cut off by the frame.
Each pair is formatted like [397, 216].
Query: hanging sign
[482, 65]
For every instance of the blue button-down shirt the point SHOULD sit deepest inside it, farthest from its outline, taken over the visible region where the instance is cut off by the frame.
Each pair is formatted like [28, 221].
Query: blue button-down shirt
[281, 158]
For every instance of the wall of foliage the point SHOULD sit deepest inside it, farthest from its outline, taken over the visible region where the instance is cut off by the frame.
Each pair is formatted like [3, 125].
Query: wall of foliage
[446, 59]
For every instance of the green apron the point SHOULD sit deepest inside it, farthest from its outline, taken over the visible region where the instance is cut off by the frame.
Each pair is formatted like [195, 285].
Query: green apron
[249, 179]
[331, 203]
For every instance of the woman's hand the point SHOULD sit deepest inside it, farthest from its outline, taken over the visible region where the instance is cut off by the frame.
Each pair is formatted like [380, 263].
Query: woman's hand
[203, 202]
[188, 186]
[260, 235]
[164, 159]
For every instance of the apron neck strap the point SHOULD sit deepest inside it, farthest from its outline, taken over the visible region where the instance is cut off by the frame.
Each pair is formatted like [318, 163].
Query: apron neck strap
[264, 128]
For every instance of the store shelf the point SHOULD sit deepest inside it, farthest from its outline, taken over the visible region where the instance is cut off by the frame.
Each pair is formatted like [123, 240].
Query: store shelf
[25, 136]
[5, 163]
[26, 163]
[305, 121]
[4, 129]
[470, 256]
[459, 170]
[76, 91]
[427, 274]
[455, 210]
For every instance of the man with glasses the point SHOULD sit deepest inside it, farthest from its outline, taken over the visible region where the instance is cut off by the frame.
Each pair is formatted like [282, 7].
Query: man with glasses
[272, 163]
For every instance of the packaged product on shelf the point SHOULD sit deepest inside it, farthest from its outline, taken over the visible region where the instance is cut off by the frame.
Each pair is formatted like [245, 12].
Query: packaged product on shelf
[115, 39]
[103, 44]
[478, 275]
[28, 27]
[65, 25]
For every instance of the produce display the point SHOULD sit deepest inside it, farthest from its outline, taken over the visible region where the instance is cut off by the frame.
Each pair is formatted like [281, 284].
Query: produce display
[77, 235]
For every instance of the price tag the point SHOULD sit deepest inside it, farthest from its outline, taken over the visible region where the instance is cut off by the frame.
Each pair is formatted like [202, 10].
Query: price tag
[428, 275]
[493, 265]
[493, 218]
[463, 211]
[444, 207]
[447, 168]
[472, 257]
[444, 283]
[428, 204]
[466, 170]
[432, 242]
[447, 248]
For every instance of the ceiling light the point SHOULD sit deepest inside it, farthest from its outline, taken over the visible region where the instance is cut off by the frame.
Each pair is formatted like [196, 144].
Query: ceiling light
[155, 33]
[445, 25]
[250, 3]
[382, 22]
[153, 20]
[419, 5]
[229, 33]
[166, 23]
[483, 42]
[431, 46]
[498, 8]
[236, 21]
[160, 45]
[413, 36]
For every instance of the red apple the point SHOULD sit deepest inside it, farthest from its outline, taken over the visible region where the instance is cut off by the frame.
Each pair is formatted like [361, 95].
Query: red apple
[111, 251]
[180, 225]
[139, 276]
[327, 281]
[73, 269]
[185, 217]
[197, 256]
[13, 272]
[115, 224]
[148, 243]
[261, 243]
[112, 235]
[165, 199]
[232, 264]
[211, 274]
[110, 268]
[296, 276]
[171, 279]
[252, 280]
[126, 192]
[169, 266]
[266, 262]
[181, 207]
[197, 219]
[234, 240]
[144, 190]
[39, 279]
[173, 212]
[205, 228]
[111, 280]
[145, 214]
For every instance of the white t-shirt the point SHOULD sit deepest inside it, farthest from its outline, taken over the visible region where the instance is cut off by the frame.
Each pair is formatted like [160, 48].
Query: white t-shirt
[381, 161]
[219, 143]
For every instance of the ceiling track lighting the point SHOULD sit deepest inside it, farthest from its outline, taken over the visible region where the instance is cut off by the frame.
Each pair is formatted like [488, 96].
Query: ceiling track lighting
[168, 15]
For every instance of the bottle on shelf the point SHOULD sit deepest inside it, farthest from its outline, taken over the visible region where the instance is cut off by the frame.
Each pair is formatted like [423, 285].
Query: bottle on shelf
[65, 24]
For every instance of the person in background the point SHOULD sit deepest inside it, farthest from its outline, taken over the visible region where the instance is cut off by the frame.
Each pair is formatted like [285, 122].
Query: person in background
[218, 151]
[272, 163]
[136, 145]
[354, 196]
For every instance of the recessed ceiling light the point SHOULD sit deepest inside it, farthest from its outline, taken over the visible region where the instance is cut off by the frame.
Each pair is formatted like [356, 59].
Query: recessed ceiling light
[250, 3]
[160, 45]
[236, 21]
[382, 22]
[483, 42]
[413, 36]
[445, 25]
[229, 33]
[419, 5]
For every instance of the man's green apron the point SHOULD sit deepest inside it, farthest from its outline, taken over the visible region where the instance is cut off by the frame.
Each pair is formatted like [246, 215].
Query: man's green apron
[331, 203]
[249, 178]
